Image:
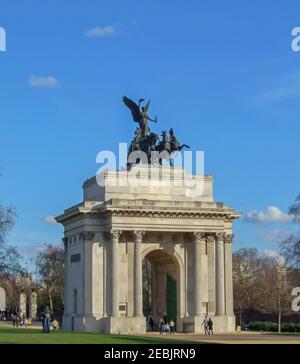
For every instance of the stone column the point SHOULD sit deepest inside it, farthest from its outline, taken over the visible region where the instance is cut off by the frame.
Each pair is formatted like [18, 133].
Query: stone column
[2, 299]
[220, 275]
[66, 273]
[115, 234]
[86, 238]
[211, 263]
[104, 281]
[22, 305]
[228, 275]
[33, 305]
[198, 237]
[138, 274]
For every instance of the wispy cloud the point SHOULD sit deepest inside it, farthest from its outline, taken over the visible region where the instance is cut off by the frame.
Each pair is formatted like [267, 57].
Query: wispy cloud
[38, 81]
[28, 251]
[271, 215]
[101, 32]
[275, 235]
[287, 87]
[275, 255]
[50, 220]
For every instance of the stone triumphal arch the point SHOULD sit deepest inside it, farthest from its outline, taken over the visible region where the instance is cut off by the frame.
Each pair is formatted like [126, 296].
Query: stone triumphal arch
[123, 231]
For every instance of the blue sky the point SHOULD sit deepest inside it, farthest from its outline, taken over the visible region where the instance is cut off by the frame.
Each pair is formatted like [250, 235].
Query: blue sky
[223, 74]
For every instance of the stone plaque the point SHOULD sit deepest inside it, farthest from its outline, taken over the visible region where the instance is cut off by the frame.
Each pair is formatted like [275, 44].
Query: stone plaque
[75, 258]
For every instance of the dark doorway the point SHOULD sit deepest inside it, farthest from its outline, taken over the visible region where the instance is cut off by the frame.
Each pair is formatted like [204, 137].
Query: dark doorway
[160, 278]
[171, 299]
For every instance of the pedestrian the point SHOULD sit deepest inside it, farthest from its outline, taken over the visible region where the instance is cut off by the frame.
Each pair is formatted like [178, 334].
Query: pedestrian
[18, 321]
[161, 325]
[151, 324]
[205, 325]
[210, 325]
[167, 328]
[14, 319]
[46, 320]
[172, 326]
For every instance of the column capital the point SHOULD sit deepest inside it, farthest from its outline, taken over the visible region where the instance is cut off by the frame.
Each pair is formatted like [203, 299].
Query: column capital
[210, 239]
[86, 235]
[115, 234]
[138, 234]
[229, 238]
[220, 236]
[198, 236]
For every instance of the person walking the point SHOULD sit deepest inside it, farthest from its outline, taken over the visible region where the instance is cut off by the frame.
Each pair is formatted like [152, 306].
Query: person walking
[161, 325]
[18, 321]
[172, 326]
[210, 325]
[46, 320]
[151, 324]
[14, 319]
[205, 325]
[167, 328]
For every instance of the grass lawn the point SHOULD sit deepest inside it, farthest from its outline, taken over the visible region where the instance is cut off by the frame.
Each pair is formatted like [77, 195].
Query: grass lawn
[11, 335]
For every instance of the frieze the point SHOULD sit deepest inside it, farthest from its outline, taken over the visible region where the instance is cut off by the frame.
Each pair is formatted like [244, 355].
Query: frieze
[87, 235]
[171, 215]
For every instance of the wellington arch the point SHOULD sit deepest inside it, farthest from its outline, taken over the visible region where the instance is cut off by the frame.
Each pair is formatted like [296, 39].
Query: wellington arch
[129, 222]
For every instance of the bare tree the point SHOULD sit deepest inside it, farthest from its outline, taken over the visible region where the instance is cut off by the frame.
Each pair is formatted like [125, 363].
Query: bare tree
[277, 297]
[50, 268]
[9, 256]
[290, 247]
[261, 283]
[7, 215]
[245, 267]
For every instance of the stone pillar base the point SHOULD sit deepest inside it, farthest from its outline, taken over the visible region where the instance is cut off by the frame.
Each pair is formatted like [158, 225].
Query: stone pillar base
[80, 323]
[125, 325]
[221, 324]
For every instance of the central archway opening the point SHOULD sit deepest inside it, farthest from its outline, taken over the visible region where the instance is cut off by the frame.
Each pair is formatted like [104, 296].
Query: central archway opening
[160, 286]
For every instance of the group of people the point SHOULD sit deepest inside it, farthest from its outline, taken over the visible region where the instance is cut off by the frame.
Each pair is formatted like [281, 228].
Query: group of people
[3, 315]
[21, 320]
[168, 327]
[45, 317]
[208, 326]
[164, 326]
[46, 320]
[7, 314]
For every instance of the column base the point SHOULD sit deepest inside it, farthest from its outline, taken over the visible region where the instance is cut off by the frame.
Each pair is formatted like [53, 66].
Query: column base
[125, 325]
[221, 324]
[81, 323]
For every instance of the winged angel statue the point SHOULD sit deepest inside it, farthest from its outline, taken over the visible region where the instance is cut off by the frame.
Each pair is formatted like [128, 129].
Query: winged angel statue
[139, 114]
[146, 141]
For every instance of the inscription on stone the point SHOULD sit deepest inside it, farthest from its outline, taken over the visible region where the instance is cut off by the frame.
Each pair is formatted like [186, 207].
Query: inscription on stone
[75, 258]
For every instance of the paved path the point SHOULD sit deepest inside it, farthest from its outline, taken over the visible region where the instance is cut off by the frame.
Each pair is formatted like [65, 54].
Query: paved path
[35, 325]
[238, 338]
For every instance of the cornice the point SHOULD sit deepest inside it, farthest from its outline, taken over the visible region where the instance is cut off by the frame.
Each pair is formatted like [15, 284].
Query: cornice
[171, 214]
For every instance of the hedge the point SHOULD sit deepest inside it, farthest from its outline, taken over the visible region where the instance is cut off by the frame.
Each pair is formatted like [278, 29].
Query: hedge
[273, 326]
